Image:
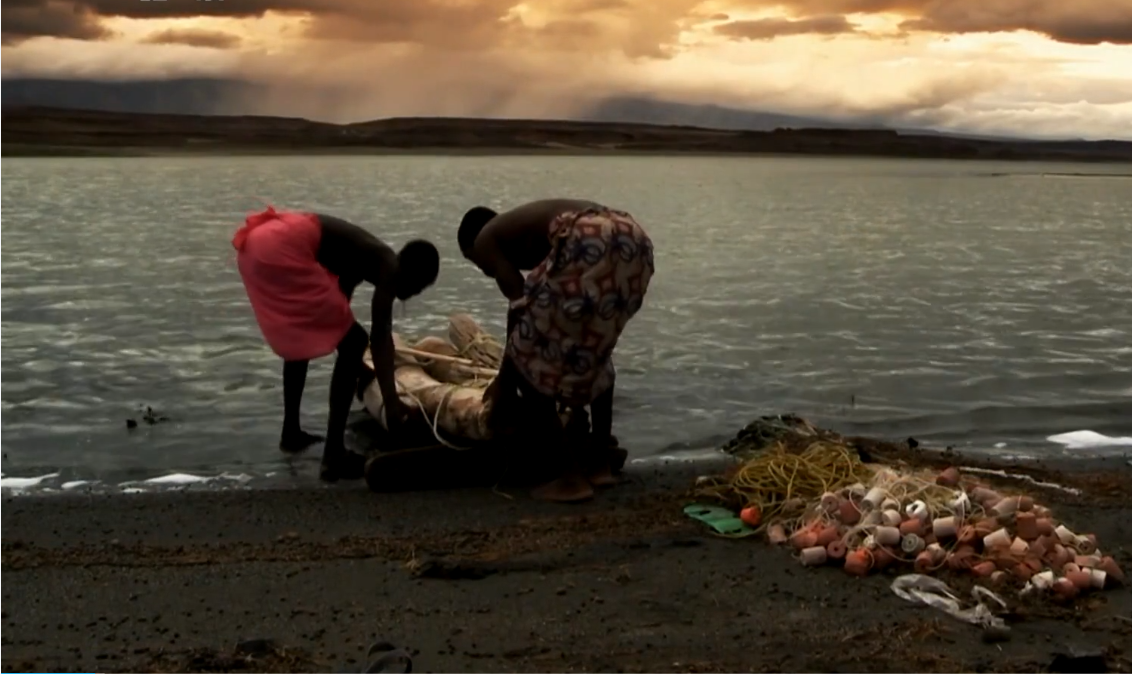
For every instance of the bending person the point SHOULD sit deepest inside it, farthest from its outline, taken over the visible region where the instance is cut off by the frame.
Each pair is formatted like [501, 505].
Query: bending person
[590, 269]
[300, 271]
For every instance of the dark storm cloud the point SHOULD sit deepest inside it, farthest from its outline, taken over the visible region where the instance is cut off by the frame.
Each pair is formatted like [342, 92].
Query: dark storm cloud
[25, 19]
[194, 37]
[1078, 22]
[1071, 21]
[638, 28]
[768, 29]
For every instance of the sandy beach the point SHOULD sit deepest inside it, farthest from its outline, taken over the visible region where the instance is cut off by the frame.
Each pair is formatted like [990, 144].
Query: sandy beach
[483, 580]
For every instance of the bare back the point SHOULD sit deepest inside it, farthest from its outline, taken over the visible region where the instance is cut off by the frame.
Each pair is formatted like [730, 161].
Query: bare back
[351, 252]
[521, 235]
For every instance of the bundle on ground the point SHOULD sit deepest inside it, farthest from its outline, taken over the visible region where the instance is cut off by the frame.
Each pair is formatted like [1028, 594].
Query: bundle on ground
[435, 381]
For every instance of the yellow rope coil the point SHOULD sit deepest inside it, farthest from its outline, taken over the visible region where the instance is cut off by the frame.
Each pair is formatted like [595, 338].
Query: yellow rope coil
[783, 483]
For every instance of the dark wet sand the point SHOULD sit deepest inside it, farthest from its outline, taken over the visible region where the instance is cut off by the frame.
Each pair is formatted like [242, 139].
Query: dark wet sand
[172, 582]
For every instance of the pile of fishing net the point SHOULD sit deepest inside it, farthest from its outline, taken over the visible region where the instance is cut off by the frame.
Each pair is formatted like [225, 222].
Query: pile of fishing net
[834, 509]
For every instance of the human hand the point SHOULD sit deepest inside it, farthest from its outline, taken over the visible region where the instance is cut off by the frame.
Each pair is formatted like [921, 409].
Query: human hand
[501, 412]
[491, 393]
[396, 414]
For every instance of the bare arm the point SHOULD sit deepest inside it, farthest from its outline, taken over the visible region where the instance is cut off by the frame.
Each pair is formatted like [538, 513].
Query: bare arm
[382, 351]
[350, 251]
[495, 264]
[509, 280]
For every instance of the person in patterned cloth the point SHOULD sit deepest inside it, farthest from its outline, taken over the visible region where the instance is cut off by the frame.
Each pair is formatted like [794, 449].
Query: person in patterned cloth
[590, 268]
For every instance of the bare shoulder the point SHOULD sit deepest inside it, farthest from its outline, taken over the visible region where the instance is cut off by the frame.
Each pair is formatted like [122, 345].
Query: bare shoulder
[347, 248]
[533, 216]
[338, 228]
[547, 209]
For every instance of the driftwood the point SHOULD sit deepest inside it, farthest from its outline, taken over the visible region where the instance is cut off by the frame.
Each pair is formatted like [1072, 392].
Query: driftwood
[439, 368]
[442, 367]
[445, 390]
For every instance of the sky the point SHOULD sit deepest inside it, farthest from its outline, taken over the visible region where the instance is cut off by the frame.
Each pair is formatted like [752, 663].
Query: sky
[1039, 68]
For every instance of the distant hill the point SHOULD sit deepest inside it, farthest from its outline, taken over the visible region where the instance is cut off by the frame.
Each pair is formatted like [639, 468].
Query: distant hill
[31, 131]
[659, 111]
[154, 96]
[628, 109]
[191, 96]
[204, 96]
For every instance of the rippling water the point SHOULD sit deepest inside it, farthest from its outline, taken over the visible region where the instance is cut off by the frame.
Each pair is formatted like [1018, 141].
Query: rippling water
[968, 303]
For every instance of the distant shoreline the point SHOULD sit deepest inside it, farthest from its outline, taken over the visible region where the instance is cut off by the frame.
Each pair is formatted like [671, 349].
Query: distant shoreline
[71, 152]
[78, 152]
[54, 132]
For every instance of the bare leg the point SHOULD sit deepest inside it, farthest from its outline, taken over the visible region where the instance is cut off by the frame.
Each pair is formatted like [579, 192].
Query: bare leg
[337, 463]
[571, 488]
[503, 397]
[600, 473]
[542, 413]
[294, 438]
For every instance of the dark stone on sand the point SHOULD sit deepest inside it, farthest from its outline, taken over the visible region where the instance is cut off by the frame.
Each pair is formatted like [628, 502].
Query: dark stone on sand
[994, 635]
[1079, 661]
[255, 647]
[913, 443]
[453, 569]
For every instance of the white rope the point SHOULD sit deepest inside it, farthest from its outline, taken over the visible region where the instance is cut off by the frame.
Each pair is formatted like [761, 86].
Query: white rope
[434, 422]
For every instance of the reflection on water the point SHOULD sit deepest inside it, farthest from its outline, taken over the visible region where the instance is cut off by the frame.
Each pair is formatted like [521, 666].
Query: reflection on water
[892, 297]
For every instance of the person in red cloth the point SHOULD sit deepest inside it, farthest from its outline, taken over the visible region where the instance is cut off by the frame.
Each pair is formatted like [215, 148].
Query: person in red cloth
[300, 271]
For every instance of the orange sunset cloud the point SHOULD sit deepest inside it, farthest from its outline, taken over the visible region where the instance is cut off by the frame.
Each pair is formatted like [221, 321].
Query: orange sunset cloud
[1023, 67]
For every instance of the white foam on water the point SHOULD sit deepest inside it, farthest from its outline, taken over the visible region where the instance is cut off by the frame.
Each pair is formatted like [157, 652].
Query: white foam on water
[178, 479]
[242, 478]
[1019, 476]
[999, 445]
[691, 456]
[186, 479]
[25, 482]
[133, 490]
[75, 484]
[1089, 440]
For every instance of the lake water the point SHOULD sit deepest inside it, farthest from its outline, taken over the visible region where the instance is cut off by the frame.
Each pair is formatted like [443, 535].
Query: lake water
[975, 304]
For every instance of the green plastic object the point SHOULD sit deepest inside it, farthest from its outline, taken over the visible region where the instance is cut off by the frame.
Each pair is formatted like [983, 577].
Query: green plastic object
[721, 520]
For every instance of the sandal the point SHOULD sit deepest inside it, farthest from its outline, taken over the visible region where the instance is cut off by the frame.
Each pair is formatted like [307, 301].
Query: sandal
[390, 659]
[721, 520]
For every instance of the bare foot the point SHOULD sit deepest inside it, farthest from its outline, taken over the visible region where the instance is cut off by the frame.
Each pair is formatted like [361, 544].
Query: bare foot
[617, 458]
[345, 466]
[571, 489]
[602, 477]
[297, 441]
